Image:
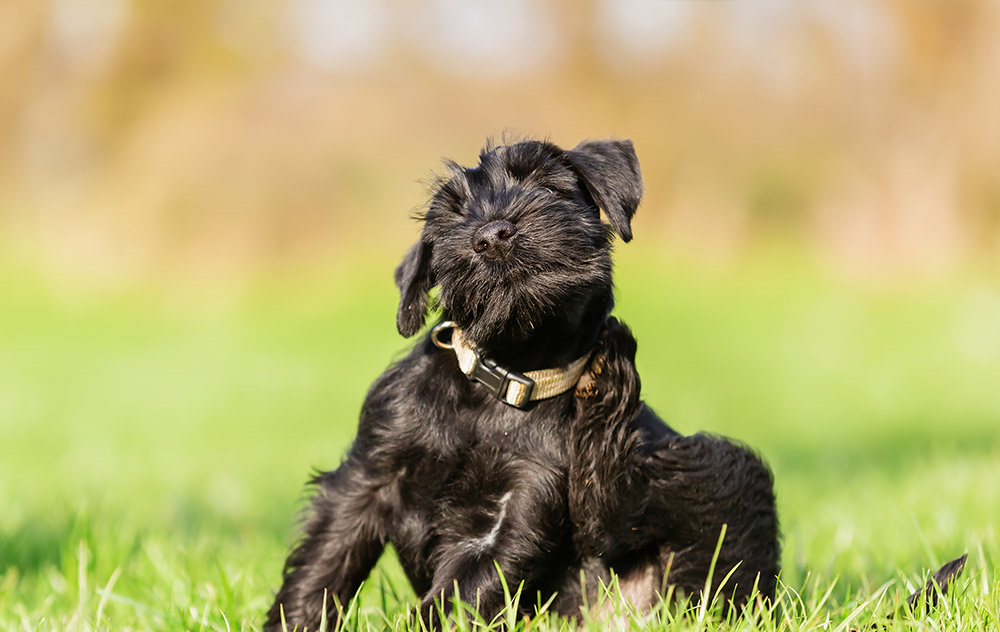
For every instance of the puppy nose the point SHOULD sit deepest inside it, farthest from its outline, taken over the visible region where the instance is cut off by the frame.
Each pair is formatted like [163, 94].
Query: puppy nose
[494, 238]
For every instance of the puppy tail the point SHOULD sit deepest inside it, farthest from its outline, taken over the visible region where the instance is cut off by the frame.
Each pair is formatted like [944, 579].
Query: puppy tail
[938, 584]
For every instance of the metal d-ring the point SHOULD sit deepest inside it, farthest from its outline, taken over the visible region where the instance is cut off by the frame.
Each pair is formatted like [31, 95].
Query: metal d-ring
[436, 333]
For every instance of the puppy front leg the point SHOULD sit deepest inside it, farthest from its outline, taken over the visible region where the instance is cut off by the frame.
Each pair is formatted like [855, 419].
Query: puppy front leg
[344, 537]
[478, 584]
[523, 539]
[607, 486]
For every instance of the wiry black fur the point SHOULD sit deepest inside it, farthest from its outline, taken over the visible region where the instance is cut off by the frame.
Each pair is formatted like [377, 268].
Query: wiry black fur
[592, 481]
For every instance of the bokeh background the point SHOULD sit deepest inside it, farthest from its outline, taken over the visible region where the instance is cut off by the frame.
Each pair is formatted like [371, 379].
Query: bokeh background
[146, 139]
[201, 204]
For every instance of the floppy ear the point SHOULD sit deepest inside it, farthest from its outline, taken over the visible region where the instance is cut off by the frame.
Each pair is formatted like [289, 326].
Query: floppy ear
[414, 280]
[610, 171]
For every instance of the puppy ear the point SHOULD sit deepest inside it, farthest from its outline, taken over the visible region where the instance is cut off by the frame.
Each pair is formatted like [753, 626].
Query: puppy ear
[610, 171]
[414, 280]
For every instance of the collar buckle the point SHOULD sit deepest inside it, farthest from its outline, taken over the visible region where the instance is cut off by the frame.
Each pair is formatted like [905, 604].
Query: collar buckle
[508, 386]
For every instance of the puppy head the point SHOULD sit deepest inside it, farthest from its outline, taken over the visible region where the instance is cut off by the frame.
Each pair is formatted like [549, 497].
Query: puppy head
[518, 239]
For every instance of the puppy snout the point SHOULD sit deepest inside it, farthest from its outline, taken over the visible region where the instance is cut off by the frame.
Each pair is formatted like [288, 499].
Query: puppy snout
[494, 239]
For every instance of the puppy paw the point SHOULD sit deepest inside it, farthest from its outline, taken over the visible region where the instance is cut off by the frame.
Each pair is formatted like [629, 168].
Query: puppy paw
[612, 368]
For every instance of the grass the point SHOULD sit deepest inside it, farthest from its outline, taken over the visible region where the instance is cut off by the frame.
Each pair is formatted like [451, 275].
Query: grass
[153, 444]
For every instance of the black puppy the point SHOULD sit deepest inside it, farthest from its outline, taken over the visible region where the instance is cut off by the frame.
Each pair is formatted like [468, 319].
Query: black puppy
[471, 452]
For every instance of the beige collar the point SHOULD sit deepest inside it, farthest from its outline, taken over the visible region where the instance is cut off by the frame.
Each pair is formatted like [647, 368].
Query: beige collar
[510, 387]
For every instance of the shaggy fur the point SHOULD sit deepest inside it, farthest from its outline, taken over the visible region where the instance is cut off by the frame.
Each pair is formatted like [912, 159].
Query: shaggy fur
[584, 483]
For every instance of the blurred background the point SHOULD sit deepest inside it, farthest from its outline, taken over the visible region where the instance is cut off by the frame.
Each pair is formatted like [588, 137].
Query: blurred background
[201, 205]
[146, 140]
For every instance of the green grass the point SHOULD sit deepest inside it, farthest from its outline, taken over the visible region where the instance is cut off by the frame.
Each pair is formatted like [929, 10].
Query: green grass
[153, 444]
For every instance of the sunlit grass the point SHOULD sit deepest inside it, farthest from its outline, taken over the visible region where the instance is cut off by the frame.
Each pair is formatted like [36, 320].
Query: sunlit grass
[153, 445]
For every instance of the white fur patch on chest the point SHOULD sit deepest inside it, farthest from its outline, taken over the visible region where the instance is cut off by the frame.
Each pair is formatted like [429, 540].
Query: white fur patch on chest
[484, 543]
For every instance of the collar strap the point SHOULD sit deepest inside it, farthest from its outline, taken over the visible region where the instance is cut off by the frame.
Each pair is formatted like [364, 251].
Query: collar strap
[510, 387]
